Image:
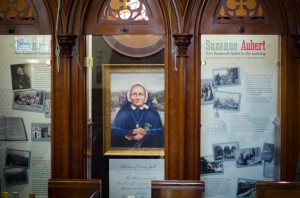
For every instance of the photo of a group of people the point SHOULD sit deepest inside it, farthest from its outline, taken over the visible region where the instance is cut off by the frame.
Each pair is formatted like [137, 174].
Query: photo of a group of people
[17, 162]
[211, 89]
[225, 151]
[230, 152]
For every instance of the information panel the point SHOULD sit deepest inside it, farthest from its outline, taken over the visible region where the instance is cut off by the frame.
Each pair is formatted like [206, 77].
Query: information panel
[239, 102]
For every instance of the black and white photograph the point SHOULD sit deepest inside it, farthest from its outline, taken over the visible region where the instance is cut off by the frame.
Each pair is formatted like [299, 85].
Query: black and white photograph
[246, 188]
[228, 101]
[209, 166]
[207, 91]
[21, 76]
[41, 132]
[226, 76]
[32, 100]
[225, 151]
[48, 105]
[248, 157]
[17, 158]
[267, 152]
[15, 176]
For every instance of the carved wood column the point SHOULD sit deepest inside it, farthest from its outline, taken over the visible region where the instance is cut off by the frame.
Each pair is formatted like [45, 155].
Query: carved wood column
[61, 121]
[177, 136]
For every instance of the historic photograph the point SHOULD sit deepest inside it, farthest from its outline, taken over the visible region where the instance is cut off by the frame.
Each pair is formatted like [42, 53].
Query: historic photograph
[17, 158]
[207, 91]
[248, 157]
[31, 100]
[41, 132]
[228, 101]
[15, 176]
[21, 76]
[246, 188]
[209, 166]
[226, 77]
[225, 151]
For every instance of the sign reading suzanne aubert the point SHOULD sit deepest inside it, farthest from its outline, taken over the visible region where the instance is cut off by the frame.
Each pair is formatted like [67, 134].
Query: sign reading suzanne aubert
[239, 100]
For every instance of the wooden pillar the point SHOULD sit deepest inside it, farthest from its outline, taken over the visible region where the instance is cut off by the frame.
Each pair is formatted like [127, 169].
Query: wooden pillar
[175, 159]
[61, 128]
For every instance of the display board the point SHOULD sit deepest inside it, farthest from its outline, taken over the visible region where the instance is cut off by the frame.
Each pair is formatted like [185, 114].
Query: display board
[239, 102]
[25, 111]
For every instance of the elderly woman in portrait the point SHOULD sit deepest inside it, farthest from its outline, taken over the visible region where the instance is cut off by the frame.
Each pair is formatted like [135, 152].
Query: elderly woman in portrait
[137, 123]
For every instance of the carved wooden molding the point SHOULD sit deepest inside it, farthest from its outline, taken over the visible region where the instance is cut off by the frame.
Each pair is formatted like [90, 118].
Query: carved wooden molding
[182, 41]
[66, 43]
[297, 44]
[18, 12]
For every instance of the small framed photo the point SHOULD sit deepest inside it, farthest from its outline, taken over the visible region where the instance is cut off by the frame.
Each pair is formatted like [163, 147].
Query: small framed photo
[17, 158]
[246, 188]
[31, 100]
[228, 101]
[225, 151]
[267, 152]
[21, 76]
[248, 157]
[226, 76]
[207, 91]
[269, 168]
[15, 176]
[47, 104]
[209, 166]
[41, 132]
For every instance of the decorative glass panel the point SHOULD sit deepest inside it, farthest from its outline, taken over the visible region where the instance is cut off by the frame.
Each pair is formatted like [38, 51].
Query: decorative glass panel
[125, 11]
[16, 11]
[247, 11]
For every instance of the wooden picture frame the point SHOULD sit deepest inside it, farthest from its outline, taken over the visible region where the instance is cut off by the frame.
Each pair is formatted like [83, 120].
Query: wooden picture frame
[118, 79]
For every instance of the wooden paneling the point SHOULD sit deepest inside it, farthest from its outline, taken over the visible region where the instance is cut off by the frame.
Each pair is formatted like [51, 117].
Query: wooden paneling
[277, 189]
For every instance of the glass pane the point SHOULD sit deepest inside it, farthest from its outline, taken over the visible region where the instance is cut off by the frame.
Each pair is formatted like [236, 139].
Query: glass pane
[25, 114]
[127, 112]
[239, 110]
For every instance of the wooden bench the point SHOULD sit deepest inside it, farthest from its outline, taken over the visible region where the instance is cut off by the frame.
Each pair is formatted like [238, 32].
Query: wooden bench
[74, 188]
[281, 189]
[177, 189]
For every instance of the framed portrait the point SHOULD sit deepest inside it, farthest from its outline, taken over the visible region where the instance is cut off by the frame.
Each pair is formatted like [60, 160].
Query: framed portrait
[133, 105]
[21, 76]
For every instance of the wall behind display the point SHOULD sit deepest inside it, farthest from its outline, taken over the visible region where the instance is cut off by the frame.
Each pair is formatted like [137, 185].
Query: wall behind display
[25, 162]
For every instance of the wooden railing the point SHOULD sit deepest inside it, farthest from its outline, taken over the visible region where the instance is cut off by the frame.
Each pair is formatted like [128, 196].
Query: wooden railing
[74, 188]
